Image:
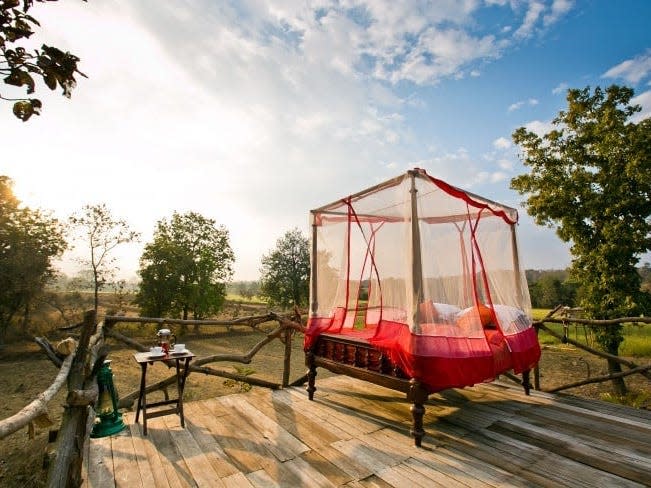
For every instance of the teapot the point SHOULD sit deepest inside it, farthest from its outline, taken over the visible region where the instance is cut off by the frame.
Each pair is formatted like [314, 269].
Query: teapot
[166, 340]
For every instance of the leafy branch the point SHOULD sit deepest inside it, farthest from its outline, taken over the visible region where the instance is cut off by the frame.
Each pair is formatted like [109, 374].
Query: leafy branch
[19, 67]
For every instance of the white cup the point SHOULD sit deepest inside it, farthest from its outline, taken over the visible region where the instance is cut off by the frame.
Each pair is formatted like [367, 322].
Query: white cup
[179, 347]
[156, 350]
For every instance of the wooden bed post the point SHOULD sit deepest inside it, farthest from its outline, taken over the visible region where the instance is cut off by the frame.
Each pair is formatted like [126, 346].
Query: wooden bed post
[314, 306]
[526, 383]
[311, 374]
[416, 263]
[418, 396]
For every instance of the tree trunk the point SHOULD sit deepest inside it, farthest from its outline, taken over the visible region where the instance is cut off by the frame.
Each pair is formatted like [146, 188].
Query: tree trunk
[25, 321]
[619, 385]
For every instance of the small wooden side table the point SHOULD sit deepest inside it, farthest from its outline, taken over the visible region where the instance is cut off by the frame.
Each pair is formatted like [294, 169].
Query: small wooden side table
[145, 358]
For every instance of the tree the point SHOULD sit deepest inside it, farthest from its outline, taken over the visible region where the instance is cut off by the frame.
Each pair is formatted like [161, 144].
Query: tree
[590, 178]
[103, 233]
[286, 271]
[19, 66]
[29, 241]
[186, 267]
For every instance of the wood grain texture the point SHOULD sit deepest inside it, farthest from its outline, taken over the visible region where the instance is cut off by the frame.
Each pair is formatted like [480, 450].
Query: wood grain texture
[356, 435]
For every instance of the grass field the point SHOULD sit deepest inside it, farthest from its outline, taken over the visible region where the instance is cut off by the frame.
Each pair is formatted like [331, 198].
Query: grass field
[637, 337]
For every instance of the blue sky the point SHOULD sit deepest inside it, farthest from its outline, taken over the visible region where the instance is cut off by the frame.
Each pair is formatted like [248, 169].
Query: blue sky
[252, 112]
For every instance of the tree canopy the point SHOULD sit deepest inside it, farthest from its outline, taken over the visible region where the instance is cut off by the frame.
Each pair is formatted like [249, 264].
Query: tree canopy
[286, 271]
[29, 241]
[102, 233]
[20, 66]
[185, 268]
[590, 178]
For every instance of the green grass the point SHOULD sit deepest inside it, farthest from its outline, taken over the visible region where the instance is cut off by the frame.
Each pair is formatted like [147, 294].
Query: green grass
[235, 298]
[637, 338]
[637, 341]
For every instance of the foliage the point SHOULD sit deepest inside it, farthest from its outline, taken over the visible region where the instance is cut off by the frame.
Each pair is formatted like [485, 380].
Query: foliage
[29, 241]
[590, 177]
[549, 291]
[286, 271]
[645, 276]
[185, 268]
[103, 233]
[249, 289]
[634, 399]
[19, 66]
[242, 386]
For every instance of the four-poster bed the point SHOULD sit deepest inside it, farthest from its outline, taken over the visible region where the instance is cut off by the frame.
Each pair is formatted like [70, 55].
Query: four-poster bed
[416, 285]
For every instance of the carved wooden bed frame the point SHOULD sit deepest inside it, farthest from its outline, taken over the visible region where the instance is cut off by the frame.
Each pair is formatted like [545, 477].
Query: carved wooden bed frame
[355, 357]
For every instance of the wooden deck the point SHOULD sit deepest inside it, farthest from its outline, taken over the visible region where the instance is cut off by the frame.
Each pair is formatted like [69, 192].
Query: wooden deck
[356, 434]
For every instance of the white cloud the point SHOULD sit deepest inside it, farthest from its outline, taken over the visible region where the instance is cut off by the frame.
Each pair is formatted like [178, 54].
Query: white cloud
[505, 164]
[501, 143]
[644, 100]
[558, 9]
[539, 127]
[528, 25]
[518, 105]
[560, 88]
[632, 70]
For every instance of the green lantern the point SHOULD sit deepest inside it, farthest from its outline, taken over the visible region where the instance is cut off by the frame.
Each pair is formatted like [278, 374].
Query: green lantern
[108, 420]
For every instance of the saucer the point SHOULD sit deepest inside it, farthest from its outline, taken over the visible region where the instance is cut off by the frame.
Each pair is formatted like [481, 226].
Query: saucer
[175, 353]
[155, 356]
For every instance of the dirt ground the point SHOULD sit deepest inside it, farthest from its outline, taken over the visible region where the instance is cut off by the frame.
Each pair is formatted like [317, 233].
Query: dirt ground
[25, 372]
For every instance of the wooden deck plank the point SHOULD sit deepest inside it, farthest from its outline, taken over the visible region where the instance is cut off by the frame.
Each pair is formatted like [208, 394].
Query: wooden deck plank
[356, 435]
[237, 480]
[466, 472]
[297, 403]
[630, 467]
[261, 479]
[247, 456]
[143, 455]
[172, 462]
[325, 411]
[125, 463]
[323, 465]
[199, 425]
[100, 464]
[282, 444]
[199, 466]
[292, 420]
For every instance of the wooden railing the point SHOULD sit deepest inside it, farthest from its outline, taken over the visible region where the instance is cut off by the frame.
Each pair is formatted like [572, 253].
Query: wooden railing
[633, 368]
[287, 325]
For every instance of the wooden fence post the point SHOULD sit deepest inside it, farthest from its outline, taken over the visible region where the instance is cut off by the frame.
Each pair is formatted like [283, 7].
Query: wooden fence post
[288, 356]
[65, 470]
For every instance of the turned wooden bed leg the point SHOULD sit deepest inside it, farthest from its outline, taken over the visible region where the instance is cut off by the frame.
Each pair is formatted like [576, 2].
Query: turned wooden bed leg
[418, 396]
[526, 384]
[311, 374]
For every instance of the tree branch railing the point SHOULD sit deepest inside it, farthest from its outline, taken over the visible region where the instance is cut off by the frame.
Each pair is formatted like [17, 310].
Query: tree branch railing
[284, 331]
[39, 405]
[633, 368]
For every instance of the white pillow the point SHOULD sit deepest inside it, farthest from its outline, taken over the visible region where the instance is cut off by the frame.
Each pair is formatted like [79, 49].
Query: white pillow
[511, 319]
[446, 312]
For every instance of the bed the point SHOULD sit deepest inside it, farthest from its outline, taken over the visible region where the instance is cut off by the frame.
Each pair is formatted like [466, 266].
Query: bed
[416, 285]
